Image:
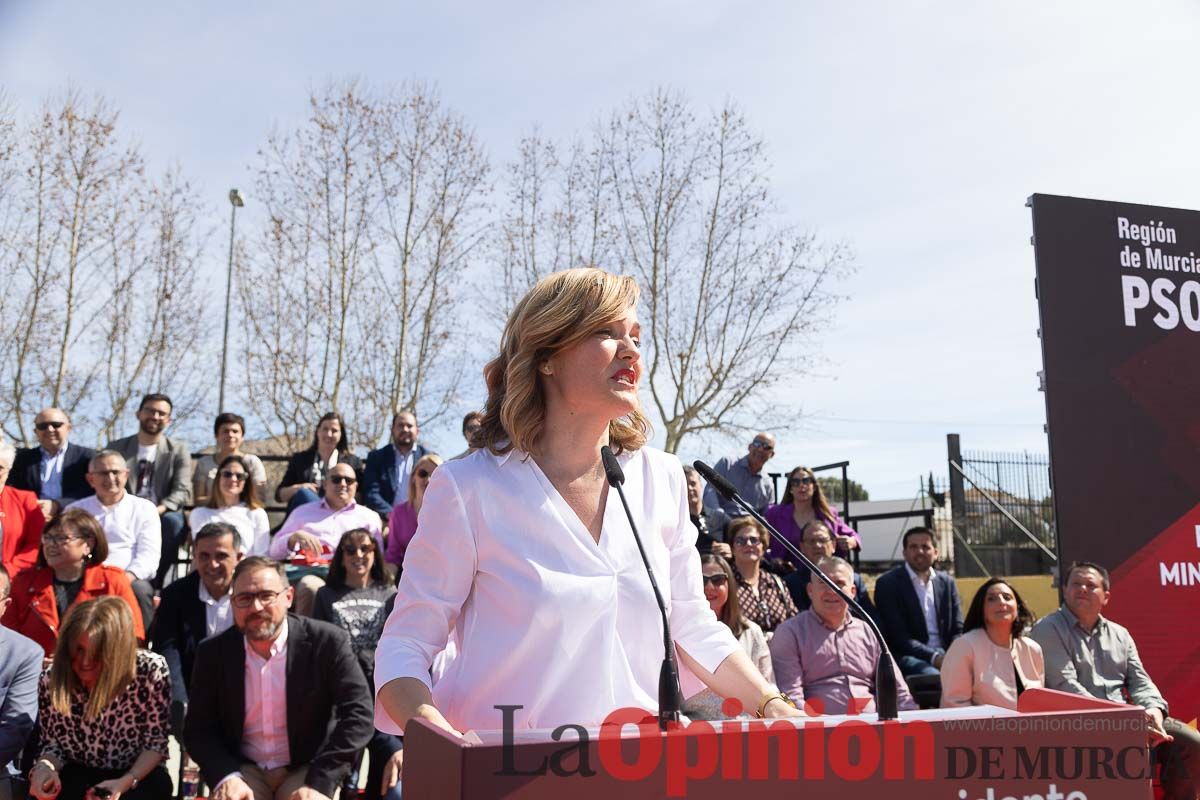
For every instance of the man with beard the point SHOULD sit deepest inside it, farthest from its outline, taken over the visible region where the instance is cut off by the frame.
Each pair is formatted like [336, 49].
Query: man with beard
[196, 607]
[279, 706]
[385, 478]
[160, 470]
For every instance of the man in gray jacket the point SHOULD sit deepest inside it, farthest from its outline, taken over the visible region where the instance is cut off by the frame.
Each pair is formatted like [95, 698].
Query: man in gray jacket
[1088, 654]
[160, 470]
[20, 667]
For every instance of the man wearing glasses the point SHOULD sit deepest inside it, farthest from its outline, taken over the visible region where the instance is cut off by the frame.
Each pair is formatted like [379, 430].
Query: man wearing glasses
[55, 470]
[747, 476]
[315, 529]
[279, 706]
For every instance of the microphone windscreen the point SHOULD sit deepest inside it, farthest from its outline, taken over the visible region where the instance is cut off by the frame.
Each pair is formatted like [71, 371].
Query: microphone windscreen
[718, 482]
[612, 469]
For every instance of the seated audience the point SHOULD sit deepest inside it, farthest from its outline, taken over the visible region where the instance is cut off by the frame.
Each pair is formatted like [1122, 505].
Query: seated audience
[816, 542]
[230, 431]
[196, 607]
[55, 470]
[710, 522]
[20, 665]
[718, 580]
[471, 423]
[402, 524]
[826, 655]
[358, 598]
[762, 597]
[104, 711]
[804, 502]
[70, 570]
[918, 606]
[158, 469]
[131, 525]
[21, 519]
[747, 476]
[304, 479]
[386, 476]
[293, 669]
[993, 661]
[315, 528]
[1086, 653]
[234, 499]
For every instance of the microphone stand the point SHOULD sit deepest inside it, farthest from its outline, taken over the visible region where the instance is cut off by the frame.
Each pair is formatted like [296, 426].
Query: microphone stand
[886, 694]
[670, 696]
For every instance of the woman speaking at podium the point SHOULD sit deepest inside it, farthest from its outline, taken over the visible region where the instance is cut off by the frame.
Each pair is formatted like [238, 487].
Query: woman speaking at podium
[523, 553]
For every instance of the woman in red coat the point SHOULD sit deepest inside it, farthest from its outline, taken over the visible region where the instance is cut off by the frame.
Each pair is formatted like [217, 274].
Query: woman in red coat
[69, 570]
[21, 519]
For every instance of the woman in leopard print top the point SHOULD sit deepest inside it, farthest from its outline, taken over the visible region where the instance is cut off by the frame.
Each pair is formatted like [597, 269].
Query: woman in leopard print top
[104, 710]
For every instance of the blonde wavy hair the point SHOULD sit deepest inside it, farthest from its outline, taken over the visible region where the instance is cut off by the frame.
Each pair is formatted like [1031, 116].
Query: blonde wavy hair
[560, 311]
[108, 622]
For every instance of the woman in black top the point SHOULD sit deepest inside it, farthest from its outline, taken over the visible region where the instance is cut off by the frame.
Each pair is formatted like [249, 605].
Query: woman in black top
[305, 475]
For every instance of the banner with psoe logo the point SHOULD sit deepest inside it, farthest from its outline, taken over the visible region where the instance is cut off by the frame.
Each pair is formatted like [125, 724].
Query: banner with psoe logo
[1118, 289]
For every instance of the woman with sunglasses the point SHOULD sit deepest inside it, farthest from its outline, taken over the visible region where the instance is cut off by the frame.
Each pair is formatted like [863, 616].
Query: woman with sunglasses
[803, 502]
[357, 597]
[234, 500]
[70, 570]
[525, 554]
[402, 522]
[718, 579]
[763, 598]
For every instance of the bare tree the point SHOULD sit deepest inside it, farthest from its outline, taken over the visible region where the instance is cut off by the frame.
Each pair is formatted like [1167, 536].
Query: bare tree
[373, 208]
[684, 203]
[76, 243]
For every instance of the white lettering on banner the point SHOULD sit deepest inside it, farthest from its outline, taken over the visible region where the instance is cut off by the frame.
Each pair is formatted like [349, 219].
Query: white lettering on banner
[1052, 793]
[1181, 573]
[1198, 536]
[1175, 302]
[1146, 234]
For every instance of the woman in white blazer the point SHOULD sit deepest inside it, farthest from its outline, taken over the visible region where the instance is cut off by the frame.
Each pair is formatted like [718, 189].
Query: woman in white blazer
[993, 661]
[522, 552]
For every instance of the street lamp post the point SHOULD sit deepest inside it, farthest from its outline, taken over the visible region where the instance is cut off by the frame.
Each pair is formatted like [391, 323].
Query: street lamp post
[236, 201]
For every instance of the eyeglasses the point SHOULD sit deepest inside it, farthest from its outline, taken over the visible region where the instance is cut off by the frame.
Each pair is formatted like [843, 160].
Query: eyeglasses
[805, 481]
[762, 444]
[424, 473]
[109, 473]
[747, 541]
[45, 426]
[819, 540]
[716, 580]
[60, 540]
[240, 477]
[355, 549]
[247, 599]
[342, 479]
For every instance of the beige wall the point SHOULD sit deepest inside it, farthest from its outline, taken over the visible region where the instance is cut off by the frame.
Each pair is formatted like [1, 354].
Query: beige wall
[1036, 590]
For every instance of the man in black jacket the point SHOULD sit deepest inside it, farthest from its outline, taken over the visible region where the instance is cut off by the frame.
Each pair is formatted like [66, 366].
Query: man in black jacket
[279, 706]
[196, 607]
[55, 470]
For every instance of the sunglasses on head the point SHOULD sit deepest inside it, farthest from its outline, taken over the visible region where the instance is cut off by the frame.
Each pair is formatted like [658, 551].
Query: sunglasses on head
[45, 426]
[716, 580]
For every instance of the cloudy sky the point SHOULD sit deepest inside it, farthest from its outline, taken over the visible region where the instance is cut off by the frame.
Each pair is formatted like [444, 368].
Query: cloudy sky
[912, 131]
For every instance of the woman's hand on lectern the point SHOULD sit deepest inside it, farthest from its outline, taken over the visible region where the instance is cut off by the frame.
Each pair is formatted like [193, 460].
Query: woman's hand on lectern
[777, 708]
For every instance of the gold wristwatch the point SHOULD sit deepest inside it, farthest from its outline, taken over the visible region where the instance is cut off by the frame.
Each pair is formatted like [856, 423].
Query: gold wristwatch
[766, 698]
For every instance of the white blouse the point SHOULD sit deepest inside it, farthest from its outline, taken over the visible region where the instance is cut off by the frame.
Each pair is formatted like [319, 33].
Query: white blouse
[252, 524]
[544, 616]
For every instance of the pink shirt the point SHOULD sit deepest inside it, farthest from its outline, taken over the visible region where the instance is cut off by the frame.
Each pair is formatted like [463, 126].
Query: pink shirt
[326, 524]
[264, 735]
[402, 526]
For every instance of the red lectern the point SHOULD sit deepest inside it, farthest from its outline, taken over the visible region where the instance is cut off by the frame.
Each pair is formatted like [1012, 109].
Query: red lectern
[1058, 747]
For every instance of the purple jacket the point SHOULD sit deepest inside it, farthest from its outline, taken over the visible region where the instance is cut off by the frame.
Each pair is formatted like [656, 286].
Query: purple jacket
[781, 517]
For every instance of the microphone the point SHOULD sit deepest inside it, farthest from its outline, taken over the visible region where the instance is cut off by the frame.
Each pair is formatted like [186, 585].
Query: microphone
[670, 697]
[886, 696]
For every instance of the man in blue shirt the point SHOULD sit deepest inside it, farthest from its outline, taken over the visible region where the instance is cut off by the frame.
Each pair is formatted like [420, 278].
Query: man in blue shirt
[747, 476]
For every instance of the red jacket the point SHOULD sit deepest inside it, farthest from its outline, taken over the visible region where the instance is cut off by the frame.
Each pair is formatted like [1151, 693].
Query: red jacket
[34, 612]
[22, 519]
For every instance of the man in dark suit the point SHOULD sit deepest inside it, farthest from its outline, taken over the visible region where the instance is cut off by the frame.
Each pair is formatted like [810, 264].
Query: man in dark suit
[55, 470]
[160, 470]
[20, 667]
[710, 521]
[816, 542]
[385, 478]
[279, 706]
[919, 607]
[195, 608]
